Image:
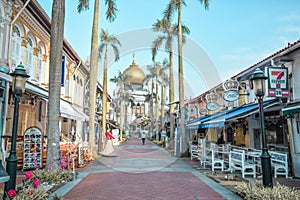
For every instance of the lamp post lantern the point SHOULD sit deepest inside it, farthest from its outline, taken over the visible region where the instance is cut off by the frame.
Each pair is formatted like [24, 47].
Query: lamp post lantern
[258, 83]
[19, 77]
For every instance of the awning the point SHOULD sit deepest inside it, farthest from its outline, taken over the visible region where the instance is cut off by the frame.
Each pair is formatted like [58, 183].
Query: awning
[195, 123]
[82, 114]
[68, 111]
[291, 109]
[234, 113]
[34, 89]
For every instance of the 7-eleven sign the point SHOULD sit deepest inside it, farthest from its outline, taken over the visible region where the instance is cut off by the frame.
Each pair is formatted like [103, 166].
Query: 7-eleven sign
[277, 82]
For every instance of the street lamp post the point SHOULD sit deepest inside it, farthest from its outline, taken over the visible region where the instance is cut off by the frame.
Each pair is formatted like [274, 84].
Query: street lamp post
[258, 83]
[19, 77]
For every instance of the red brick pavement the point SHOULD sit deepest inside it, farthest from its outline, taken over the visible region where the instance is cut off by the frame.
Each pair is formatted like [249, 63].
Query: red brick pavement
[142, 186]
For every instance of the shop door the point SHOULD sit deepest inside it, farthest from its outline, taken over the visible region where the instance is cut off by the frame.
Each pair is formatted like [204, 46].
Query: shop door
[257, 138]
[230, 135]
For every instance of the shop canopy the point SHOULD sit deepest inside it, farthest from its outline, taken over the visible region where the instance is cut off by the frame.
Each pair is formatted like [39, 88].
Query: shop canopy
[197, 123]
[67, 110]
[218, 119]
[239, 112]
[291, 109]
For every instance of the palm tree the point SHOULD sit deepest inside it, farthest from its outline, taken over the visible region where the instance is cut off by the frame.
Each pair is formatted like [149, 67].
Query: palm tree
[175, 5]
[106, 42]
[150, 77]
[156, 72]
[165, 65]
[110, 15]
[169, 32]
[120, 81]
[56, 46]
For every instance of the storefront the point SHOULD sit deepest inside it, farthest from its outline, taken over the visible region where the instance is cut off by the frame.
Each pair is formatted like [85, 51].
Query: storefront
[291, 112]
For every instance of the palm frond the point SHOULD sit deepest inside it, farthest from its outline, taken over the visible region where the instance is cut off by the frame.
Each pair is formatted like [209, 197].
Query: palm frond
[111, 12]
[169, 11]
[113, 40]
[169, 43]
[155, 45]
[104, 35]
[100, 50]
[116, 51]
[82, 5]
[182, 2]
[206, 3]
[185, 30]
[161, 25]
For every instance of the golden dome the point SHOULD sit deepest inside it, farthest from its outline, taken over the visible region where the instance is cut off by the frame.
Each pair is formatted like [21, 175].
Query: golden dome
[135, 74]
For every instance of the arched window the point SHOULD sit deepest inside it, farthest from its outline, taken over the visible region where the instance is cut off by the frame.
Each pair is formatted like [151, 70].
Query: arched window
[29, 58]
[16, 46]
[1, 34]
[39, 65]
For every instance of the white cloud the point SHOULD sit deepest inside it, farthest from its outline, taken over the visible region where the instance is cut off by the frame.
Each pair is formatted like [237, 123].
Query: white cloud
[290, 17]
[292, 29]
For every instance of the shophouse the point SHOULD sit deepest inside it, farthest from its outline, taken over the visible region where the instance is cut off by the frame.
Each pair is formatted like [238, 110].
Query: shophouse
[232, 109]
[25, 38]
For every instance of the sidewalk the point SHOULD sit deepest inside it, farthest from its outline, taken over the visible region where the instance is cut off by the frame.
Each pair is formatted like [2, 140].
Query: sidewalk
[142, 172]
[289, 182]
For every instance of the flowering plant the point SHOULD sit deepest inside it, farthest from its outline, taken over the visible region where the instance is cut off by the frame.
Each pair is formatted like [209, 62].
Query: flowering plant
[28, 175]
[12, 193]
[29, 190]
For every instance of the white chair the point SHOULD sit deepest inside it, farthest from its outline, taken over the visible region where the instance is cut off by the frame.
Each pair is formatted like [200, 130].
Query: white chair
[194, 151]
[216, 161]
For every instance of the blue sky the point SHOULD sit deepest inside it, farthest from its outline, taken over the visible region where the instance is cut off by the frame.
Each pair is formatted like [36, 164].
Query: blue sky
[228, 37]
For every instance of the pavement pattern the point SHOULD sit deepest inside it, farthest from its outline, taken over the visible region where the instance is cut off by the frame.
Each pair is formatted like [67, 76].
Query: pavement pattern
[142, 172]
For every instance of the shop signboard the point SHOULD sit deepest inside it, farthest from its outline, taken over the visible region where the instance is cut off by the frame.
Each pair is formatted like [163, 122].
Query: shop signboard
[277, 82]
[231, 90]
[212, 103]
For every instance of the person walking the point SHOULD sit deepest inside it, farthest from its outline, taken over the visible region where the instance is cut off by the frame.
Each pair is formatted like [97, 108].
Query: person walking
[143, 136]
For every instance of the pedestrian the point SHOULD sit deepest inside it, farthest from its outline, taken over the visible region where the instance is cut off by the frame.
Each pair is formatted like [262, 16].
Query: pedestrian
[109, 148]
[143, 136]
[163, 134]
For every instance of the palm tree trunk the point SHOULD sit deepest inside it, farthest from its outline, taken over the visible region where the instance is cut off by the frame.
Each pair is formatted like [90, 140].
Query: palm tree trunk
[181, 86]
[162, 102]
[104, 94]
[125, 114]
[156, 109]
[151, 110]
[121, 115]
[56, 46]
[93, 78]
[171, 93]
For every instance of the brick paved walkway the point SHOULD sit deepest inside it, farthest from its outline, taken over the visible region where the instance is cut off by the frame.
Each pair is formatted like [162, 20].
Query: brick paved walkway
[142, 172]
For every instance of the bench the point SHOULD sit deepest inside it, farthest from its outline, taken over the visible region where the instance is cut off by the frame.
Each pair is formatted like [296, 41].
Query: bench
[194, 151]
[280, 163]
[237, 162]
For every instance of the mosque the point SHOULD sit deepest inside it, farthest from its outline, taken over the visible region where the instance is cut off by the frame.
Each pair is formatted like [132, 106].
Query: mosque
[136, 97]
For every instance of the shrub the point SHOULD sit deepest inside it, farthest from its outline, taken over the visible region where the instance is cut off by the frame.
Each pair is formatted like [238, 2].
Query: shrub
[31, 187]
[55, 176]
[252, 190]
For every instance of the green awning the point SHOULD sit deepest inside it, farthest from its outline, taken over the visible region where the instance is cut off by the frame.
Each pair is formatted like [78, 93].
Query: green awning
[291, 109]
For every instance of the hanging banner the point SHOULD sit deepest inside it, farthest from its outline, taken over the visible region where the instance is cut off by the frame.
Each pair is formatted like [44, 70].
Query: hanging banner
[277, 82]
[63, 71]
